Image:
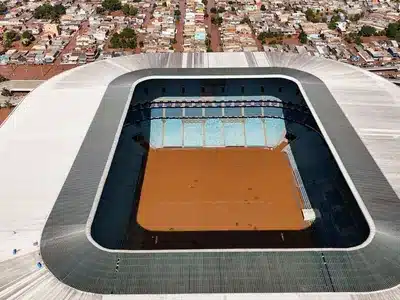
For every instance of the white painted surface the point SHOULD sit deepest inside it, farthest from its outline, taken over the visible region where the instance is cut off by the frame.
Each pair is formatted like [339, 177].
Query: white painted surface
[39, 143]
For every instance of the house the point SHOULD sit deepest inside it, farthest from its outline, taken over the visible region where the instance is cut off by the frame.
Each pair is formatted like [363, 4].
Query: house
[51, 28]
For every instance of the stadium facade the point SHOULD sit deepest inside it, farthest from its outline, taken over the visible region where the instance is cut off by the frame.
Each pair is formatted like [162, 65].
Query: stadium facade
[58, 147]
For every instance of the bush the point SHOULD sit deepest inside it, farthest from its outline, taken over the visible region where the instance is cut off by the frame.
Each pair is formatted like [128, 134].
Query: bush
[48, 12]
[126, 39]
[111, 5]
[263, 7]
[303, 37]
[129, 10]
[367, 31]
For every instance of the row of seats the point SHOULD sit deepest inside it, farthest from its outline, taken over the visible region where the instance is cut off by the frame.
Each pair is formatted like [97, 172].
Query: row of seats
[229, 88]
[215, 132]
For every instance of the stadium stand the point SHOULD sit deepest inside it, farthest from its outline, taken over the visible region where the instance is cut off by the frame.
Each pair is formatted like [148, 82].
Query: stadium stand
[255, 132]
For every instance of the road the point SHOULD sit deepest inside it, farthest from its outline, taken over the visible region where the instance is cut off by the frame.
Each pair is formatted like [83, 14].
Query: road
[180, 26]
[212, 29]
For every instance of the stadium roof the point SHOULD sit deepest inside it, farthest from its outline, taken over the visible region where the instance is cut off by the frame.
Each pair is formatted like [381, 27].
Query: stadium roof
[58, 144]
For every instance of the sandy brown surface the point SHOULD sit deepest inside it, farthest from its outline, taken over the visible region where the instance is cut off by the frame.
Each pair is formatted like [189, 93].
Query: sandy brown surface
[219, 189]
[4, 112]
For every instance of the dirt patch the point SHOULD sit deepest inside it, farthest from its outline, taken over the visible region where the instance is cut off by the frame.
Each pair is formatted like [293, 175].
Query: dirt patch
[4, 112]
[219, 189]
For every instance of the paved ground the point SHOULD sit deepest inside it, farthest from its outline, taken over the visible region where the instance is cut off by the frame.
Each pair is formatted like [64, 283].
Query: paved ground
[219, 189]
[213, 30]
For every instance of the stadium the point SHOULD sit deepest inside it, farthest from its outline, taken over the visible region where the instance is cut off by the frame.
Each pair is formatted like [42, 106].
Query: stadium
[216, 175]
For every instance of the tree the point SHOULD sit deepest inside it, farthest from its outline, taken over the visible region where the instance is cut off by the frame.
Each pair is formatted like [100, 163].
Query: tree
[126, 39]
[392, 30]
[49, 12]
[233, 8]
[10, 35]
[367, 31]
[164, 4]
[111, 5]
[263, 7]
[221, 10]
[216, 20]
[303, 37]
[213, 10]
[27, 35]
[205, 15]
[333, 22]
[209, 49]
[141, 44]
[205, 2]
[2, 78]
[309, 14]
[129, 10]
[174, 41]
[177, 13]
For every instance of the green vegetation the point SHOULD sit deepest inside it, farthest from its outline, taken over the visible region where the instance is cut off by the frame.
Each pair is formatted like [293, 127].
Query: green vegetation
[9, 37]
[126, 39]
[268, 34]
[393, 31]
[49, 12]
[129, 10]
[313, 16]
[213, 10]
[263, 8]
[303, 37]
[111, 5]
[205, 2]
[221, 10]
[27, 35]
[367, 31]
[177, 13]
[353, 37]
[333, 22]
[164, 4]
[217, 20]
[356, 17]
[2, 78]
[27, 38]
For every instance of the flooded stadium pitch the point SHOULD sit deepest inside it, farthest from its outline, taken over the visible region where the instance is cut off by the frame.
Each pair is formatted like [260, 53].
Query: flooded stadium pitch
[224, 164]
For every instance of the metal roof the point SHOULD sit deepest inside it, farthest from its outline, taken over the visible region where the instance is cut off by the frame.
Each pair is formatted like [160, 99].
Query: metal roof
[61, 139]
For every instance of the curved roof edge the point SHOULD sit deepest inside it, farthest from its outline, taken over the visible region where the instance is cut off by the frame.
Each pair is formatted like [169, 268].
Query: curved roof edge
[363, 269]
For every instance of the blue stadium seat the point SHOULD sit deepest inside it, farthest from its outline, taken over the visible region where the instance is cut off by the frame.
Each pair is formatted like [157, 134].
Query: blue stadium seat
[156, 133]
[193, 112]
[252, 111]
[275, 130]
[157, 112]
[173, 112]
[213, 133]
[173, 133]
[233, 111]
[255, 133]
[193, 134]
[273, 111]
[234, 133]
[213, 112]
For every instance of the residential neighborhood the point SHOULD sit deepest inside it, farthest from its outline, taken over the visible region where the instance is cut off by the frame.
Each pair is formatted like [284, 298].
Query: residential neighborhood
[41, 39]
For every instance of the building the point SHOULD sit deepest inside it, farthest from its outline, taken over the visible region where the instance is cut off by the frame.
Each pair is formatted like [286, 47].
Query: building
[57, 148]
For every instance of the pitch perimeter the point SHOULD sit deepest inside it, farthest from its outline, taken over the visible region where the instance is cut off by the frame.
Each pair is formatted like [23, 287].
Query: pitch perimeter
[217, 189]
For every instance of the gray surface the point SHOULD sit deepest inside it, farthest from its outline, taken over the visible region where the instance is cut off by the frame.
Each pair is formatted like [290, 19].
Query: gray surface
[73, 259]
